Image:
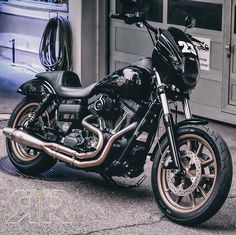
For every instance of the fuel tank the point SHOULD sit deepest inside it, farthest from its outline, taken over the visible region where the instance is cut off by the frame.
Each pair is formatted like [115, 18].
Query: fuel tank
[132, 82]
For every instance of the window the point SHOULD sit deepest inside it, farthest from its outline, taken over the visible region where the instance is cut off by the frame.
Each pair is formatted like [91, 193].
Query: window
[54, 5]
[153, 9]
[31, 1]
[208, 15]
[49, 1]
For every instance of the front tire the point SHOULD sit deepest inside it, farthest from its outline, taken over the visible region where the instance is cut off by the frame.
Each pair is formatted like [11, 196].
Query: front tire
[195, 197]
[28, 161]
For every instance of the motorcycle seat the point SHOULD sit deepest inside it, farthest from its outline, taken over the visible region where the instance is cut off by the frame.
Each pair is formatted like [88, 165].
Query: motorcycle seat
[66, 84]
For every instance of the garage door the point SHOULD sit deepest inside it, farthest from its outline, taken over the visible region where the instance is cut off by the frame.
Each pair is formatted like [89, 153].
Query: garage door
[215, 95]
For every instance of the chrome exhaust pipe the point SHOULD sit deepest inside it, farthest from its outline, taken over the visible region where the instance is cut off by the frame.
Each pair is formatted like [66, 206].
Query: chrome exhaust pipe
[73, 153]
[24, 138]
[66, 154]
[21, 137]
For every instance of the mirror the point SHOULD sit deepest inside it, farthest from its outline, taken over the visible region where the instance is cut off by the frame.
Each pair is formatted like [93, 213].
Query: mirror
[139, 25]
[189, 22]
[130, 6]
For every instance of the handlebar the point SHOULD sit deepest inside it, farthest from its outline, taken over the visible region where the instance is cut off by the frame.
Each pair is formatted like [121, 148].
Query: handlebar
[130, 18]
[117, 16]
[134, 18]
[139, 17]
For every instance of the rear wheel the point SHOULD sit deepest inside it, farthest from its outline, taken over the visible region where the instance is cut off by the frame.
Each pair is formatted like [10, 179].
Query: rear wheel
[27, 160]
[198, 194]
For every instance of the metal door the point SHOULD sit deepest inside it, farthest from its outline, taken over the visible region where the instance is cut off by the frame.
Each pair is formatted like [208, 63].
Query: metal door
[230, 48]
[127, 42]
[215, 94]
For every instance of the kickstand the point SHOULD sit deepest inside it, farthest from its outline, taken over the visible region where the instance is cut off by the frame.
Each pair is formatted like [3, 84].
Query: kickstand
[109, 179]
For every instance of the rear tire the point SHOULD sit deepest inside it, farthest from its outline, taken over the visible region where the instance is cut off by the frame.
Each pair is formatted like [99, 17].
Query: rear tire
[26, 160]
[197, 196]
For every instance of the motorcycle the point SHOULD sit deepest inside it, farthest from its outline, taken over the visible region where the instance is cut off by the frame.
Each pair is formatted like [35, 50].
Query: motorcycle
[110, 127]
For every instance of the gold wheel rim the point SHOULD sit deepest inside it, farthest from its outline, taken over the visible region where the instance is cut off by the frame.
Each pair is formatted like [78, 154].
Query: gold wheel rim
[199, 196]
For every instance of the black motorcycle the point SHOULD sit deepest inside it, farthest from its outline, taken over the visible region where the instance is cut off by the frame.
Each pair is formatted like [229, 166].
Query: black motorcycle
[111, 126]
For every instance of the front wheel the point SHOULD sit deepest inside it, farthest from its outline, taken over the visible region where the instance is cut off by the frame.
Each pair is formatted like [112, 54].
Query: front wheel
[200, 192]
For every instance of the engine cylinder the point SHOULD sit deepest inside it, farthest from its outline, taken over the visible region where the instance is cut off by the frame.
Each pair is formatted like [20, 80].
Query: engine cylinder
[104, 106]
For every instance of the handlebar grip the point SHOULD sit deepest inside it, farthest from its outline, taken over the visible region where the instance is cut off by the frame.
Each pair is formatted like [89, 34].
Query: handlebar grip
[117, 16]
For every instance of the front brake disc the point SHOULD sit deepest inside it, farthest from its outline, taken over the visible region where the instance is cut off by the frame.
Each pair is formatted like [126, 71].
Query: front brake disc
[184, 185]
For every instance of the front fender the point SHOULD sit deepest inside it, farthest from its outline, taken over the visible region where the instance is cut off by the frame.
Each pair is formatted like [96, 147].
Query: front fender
[35, 88]
[193, 121]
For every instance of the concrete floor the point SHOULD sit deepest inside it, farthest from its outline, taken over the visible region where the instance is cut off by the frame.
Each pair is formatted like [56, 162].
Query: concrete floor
[67, 201]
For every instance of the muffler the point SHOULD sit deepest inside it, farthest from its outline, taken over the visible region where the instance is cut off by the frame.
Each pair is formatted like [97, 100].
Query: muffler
[23, 138]
[66, 154]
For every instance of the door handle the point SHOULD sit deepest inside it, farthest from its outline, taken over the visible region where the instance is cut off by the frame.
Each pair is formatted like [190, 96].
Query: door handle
[228, 47]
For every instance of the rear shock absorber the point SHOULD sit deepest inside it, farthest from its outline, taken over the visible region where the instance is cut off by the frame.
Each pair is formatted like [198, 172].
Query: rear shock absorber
[34, 115]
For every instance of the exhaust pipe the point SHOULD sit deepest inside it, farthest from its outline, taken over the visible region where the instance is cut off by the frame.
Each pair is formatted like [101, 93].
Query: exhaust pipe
[66, 154]
[23, 138]
[20, 137]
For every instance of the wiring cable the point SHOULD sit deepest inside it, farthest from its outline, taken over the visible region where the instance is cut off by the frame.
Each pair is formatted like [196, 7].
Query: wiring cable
[55, 47]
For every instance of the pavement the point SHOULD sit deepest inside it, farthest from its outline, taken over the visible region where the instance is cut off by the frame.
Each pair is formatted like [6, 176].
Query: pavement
[69, 201]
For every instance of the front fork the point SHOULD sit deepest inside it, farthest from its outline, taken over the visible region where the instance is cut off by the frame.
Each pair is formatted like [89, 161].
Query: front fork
[187, 110]
[169, 124]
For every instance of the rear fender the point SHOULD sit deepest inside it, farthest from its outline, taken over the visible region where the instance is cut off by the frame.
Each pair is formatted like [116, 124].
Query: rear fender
[35, 88]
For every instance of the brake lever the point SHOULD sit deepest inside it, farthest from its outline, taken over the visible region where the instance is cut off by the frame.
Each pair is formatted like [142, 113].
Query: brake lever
[201, 45]
[194, 39]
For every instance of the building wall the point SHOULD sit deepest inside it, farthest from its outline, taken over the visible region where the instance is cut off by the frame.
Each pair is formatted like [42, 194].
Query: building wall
[75, 17]
[94, 40]
[88, 20]
[25, 24]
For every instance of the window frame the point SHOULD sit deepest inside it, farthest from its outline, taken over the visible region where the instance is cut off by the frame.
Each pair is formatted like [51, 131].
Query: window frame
[218, 28]
[160, 20]
[32, 4]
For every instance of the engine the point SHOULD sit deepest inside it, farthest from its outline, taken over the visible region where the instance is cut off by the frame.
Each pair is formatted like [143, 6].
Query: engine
[113, 112]
[81, 140]
[111, 115]
[104, 106]
[114, 115]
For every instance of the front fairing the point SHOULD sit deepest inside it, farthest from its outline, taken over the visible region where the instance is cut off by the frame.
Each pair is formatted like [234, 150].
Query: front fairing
[176, 59]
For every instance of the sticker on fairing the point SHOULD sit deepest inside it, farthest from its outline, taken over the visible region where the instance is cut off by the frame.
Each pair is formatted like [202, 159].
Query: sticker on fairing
[187, 47]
